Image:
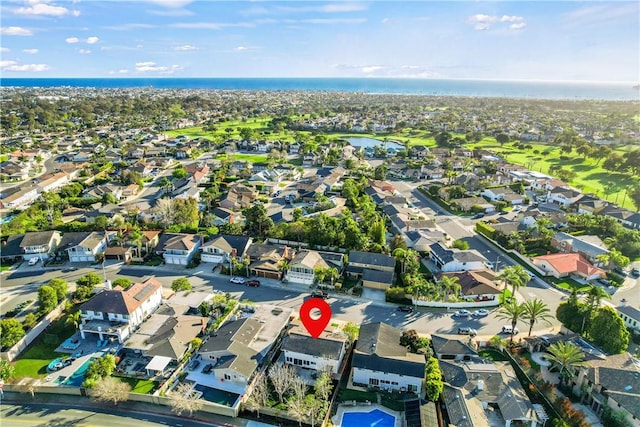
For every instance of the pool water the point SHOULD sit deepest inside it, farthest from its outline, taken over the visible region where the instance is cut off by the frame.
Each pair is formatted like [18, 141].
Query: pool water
[77, 378]
[220, 397]
[370, 143]
[374, 418]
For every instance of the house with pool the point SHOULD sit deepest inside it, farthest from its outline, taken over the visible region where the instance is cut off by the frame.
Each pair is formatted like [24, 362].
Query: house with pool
[116, 313]
[380, 362]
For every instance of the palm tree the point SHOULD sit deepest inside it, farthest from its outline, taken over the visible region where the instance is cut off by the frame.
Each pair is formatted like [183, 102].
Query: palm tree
[400, 254]
[595, 295]
[512, 312]
[516, 276]
[566, 356]
[449, 284]
[535, 310]
[74, 319]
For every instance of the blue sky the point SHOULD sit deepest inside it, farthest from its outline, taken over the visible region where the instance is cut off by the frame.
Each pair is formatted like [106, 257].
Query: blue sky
[515, 40]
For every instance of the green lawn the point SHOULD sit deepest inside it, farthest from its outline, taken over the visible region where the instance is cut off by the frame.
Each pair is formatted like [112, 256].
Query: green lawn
[568, 284]
[360, 396]
[254, 158]
[33, 362]
[140, 386]
[494, 355]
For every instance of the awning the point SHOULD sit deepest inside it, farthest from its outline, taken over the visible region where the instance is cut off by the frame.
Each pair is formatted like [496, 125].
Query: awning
[158, 363]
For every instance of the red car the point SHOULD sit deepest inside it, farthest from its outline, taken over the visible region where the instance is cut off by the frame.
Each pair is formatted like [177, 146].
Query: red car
[254, 283]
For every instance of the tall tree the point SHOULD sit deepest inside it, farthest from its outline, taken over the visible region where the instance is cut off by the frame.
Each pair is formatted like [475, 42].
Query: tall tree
[514, 275]
[511, 312]
[608, 331]
[566, 356]
[47, 299]
[281, 377]
[535, 310]
[61, 287]
[259, 396]
[183, 399]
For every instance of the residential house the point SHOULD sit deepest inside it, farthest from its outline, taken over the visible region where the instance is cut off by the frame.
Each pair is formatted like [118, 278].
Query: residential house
[19, 198]
[178, 248]
[240, 346]
[144, 169]
[223, 248]
[52, 182]
[589, 247]
[420, 240]
[630, 315]
[107, 211]
[268, 260]
[41, 244]
[117, 313]
[455, 259]
[380, 362]
[563, 196]
[589, 204]
[303, 265]
[10, 249]
[466, 204]
[238, 197]
[475, 393]
[611, 381]
[325, 353]
[82, 156]
[84, 247]
[626, 217]
[546, 184]
[475, 285]
[419, 152]
[376, 279]
[361, 261]
[99, 191]
[14, 171]
[566, 264]
[222, 216]
[453, 349]
[504, 194]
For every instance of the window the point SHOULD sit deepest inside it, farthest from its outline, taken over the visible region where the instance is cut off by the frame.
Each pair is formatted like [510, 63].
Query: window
[374, 382]
[227, 377]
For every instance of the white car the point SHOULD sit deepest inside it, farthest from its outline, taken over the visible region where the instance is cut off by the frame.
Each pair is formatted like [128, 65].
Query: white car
[34, 261]
[481, 312]
[238, 280]
[507, 329]
[462, 313]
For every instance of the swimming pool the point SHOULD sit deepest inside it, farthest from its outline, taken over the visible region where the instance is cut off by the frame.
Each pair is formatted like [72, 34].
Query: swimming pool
[77, 378]
[374, 418]
[214, 395]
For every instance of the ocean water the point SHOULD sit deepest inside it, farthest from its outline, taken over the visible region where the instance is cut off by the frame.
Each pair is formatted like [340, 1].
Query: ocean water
[432, 87]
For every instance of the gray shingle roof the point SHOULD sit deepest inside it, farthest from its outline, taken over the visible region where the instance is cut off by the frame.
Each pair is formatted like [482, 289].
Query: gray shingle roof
[358, 257]
[37, 238]
[377, 276]
[304, 344]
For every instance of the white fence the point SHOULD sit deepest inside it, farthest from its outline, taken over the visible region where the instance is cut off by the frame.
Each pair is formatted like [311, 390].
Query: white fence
[456, 305]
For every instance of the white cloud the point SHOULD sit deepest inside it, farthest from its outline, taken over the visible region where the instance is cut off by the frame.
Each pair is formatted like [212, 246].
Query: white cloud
[15, 31]
[209, 25]
[123, 71]
[14, 66]
[152, 67]
[5, 49]
[385, 21]
[41, 9]
[371, 69]
[484, 22]
[241, 48]
[92, 40]
[344, 7]
[72, 40]
[127, 27]
[172, 12]
[186, 47]
[84, 51]
[30, 51]
[76, 13]
[171, 3]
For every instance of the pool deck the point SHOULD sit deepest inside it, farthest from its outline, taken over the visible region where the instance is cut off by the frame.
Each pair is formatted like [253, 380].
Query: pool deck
[361, 407]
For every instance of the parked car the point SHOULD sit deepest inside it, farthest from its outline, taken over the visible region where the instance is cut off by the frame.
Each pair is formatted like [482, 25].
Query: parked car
[238, 280]
[635, 273]
[254, 283]
[478, 216]
[34, 261]
[462, 313]
[604, 282]
[405, 308]
[507, 329]
[620, 271]
[465, 330]
[319, 294]
[481, 312]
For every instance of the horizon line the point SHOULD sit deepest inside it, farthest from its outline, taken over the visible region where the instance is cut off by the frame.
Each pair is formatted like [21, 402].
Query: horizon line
[331, 78]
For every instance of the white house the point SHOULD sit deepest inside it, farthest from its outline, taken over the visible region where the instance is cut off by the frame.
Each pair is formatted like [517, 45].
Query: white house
[223, 247]
[630, 315]
[319, 354]
[380, 362]
[563, 196]
[40, 244]
[177, 248]
[117, 313]
[505, 194]
[88, 248]
[302, 267]
[20, 199]
[455, 259]
[52, 182]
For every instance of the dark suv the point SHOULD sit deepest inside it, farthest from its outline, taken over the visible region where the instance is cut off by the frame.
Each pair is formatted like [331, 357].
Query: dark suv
[319, 294]
[254, 283]
[405, 308]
